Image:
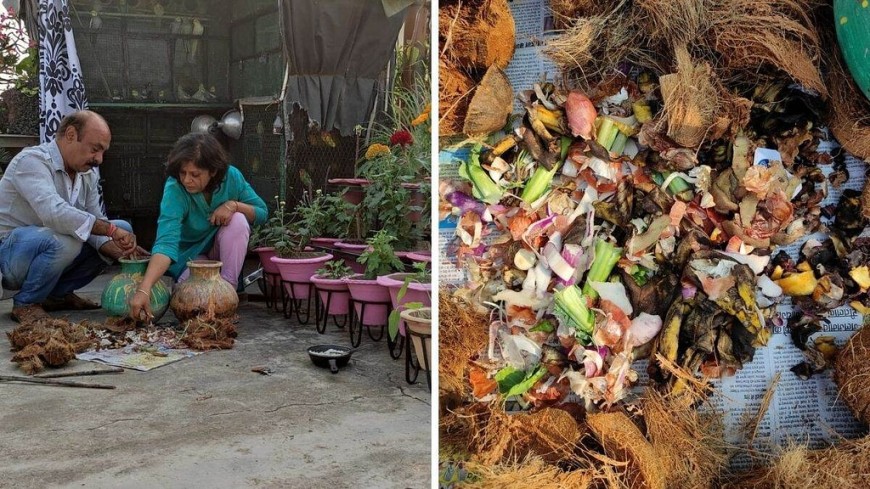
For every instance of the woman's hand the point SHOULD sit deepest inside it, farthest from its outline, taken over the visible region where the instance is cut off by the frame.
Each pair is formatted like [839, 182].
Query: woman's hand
[222, 215]
[140, 306]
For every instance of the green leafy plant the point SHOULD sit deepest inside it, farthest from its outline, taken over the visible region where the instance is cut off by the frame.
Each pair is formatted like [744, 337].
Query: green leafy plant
[334, 269]
[421, 274]
[380, 257]
[275, 230]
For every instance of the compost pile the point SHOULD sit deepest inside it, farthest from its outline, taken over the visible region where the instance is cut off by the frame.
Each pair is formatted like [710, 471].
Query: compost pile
[635, 212]
[47, 342]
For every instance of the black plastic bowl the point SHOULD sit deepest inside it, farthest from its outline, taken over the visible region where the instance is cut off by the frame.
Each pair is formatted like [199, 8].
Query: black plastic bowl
[332, 362]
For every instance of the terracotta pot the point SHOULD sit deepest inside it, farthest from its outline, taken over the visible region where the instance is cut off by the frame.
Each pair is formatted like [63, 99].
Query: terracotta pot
[204, 292]
[416, 292]
[266, 253]
[362, 289]
[122, 286]
[355, 193]
[299, 270]
[420, 321]
[334, 289]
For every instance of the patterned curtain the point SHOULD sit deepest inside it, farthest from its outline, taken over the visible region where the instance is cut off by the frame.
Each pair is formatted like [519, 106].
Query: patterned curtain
[61, 88]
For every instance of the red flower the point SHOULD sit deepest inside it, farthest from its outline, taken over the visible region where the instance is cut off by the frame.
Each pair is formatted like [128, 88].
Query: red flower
[401, 137]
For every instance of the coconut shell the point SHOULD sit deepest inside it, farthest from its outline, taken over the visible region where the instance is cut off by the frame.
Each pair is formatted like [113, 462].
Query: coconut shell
[491, 104]
[623, 441]
[852, 374]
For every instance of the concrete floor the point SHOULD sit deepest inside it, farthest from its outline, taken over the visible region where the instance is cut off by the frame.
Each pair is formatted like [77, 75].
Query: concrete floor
[208, 421]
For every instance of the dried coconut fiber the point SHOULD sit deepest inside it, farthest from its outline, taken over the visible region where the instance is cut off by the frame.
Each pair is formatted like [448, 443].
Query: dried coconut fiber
[750, 36]
[531, 472]
[852, 374]
[476, 34]
[846, 465]
[463, 330]
[455, 88]
[623, 441]
[675, 21]
[52, 342]
[690, 100]
[209, 333]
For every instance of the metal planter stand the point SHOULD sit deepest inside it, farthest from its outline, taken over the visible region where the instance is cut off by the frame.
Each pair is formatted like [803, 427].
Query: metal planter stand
[322, 311]
[414, 363]
[291, 303]
[356, 324]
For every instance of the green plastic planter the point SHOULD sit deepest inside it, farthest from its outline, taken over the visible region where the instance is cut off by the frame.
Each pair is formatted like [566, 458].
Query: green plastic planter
[852, 18]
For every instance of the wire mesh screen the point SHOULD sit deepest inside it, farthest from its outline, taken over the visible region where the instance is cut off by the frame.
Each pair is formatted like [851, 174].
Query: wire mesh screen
[259, 153]
[131, 54]
[315, 156]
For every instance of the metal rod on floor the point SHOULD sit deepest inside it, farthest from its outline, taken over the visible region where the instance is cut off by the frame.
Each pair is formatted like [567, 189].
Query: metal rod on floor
[14, 378]
[111, 370]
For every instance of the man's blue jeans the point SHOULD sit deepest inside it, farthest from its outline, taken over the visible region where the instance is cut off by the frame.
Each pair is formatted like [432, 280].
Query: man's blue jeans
[42, 263]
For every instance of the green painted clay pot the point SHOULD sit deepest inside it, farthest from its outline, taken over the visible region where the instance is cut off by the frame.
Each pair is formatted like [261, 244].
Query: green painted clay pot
[118, 291]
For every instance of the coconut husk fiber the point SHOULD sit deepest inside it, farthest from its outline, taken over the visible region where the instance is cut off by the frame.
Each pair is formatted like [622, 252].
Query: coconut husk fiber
[209, 333]
[491, 436]
[476, 34]
[532, 472]
[455, 88]
[849, 111]
[749, 37]
[47, 342]
[690, 98]
[462, 332]
[852, 374]
[690, 445]
[846, 465]
[566, 11]
[623, 441]
[675, 21]
[491, 104]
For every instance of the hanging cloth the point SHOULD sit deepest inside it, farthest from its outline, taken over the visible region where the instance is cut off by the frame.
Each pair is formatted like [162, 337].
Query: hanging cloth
[61, 88]
[335, 50]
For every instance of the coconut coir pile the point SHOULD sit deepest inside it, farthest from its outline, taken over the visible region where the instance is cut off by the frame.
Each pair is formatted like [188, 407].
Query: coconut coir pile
[206, 332]
[51, 342]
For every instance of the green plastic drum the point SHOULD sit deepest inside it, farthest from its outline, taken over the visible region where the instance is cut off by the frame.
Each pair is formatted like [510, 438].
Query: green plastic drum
[852, 18]
[123, 285]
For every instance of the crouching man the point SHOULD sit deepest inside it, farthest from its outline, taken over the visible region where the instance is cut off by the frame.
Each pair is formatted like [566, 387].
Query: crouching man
[54, 237]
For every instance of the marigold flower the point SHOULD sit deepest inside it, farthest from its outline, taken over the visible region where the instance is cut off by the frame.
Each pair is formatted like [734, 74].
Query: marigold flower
[401, 137]
[376, 150]
[423, 117]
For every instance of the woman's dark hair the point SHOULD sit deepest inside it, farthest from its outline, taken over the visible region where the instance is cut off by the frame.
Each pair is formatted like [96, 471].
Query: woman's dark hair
[205, 152]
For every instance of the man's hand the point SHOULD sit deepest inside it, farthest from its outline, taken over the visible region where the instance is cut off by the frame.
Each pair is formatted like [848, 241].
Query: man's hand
[125, 240]
[113, 251]
[222, 215]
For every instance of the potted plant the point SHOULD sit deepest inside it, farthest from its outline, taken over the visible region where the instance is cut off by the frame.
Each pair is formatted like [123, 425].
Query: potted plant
[325, 217]
[332, 292]
[371, 300]
[263, 240]
[409, 287]
[296, 264]
[419, 322]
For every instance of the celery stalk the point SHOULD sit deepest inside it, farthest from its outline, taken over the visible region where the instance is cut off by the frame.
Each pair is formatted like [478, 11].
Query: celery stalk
[541, 180]
[619, 143]
[483, 187]
[606, 133]
[606, 256]
[571, 309]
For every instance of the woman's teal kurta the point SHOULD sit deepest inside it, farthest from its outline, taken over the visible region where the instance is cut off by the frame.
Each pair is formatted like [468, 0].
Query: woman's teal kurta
[183, 230]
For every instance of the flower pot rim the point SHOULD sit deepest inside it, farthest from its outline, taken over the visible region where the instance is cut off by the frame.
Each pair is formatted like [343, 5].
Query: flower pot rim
[409, 314]
[344, 244]
[349, 181]
[359, 278]
[389, 281]
[322, 258]
[332, 281]
[263, 249]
